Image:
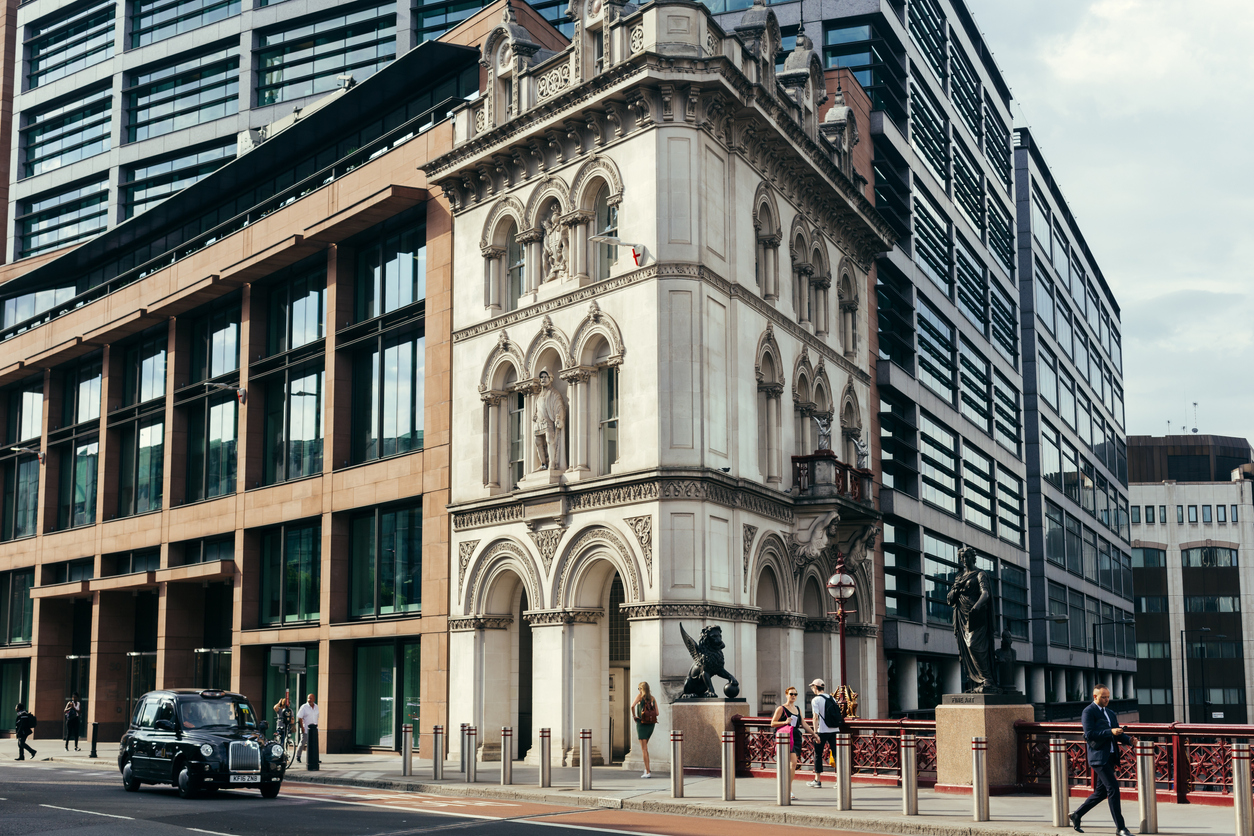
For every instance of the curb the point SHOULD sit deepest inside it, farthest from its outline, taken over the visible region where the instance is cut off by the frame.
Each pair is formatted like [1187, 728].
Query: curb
[898, 826]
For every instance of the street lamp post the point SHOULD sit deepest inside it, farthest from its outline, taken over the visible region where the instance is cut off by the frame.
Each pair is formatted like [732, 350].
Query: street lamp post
[841, 587]
[1097, 624]
[1184, 671]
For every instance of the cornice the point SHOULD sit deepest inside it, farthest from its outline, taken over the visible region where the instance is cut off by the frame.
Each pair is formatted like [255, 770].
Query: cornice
[698, 485]
[689, 609]
[667, 270]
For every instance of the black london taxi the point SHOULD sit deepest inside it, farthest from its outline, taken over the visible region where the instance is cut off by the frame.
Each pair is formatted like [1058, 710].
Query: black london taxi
[199, 740]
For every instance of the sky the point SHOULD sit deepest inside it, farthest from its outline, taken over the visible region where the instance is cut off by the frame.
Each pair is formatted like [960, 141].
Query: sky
[1144, 111]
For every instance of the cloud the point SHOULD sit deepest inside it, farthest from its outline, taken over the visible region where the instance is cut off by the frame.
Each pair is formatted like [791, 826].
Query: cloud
[1141, 110]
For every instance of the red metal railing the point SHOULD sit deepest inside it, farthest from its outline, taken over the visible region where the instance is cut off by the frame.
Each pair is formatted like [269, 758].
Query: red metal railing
[876, 748]
[1192, 763]
[849, 481]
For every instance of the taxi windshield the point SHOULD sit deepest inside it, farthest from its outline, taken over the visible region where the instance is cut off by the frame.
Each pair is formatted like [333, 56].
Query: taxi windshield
[217, 714]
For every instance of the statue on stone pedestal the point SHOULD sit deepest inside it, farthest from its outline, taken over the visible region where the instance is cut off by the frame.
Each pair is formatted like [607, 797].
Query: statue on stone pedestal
[863, 451]
[550, 424]
[707, 662]
[974, 617]
[824, 424]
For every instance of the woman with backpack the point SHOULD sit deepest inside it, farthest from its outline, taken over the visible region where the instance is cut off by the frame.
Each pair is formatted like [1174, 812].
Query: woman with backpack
[73, 713]
[646, 719]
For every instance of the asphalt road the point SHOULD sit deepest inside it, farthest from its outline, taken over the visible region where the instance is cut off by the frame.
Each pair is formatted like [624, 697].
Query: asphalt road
[46, 798]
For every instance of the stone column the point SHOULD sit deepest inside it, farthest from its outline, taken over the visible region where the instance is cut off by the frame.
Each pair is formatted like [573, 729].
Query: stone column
[551, 671]
[772, 392]
[533, 272]
[463, 657]
[494, 258]
[577, 227]
[771, 244]
[801, 281]
[848, 335]
[492, 438]
[497, 679]
[579, 420]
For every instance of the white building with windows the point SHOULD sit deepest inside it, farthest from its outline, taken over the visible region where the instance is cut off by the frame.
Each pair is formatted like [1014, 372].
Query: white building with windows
[673, 231]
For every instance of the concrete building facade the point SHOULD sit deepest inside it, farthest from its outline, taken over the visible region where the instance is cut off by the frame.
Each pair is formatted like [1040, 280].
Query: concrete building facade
[1192, 535]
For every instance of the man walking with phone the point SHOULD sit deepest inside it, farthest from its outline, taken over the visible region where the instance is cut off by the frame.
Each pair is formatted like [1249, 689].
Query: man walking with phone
[1103, 736]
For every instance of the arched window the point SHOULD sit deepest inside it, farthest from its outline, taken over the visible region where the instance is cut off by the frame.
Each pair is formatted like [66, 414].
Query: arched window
[515, 267]
[605, 222]
[769, 391]
[607, 382]
[766, 254]
[515, 432]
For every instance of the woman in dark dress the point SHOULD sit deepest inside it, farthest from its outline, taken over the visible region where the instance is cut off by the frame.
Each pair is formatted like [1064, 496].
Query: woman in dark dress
[73, 718]
[790, 715]
[644, 708]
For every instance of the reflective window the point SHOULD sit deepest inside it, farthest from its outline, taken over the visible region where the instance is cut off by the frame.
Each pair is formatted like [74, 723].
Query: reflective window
[68, 132]
[389, 379]
[291, 573]
[392, 271]
[182, 95]
[307, 59]
[155, 20]
[152, 181]
[68, 42]
[50, 221]
[293, 424]
[386, 577]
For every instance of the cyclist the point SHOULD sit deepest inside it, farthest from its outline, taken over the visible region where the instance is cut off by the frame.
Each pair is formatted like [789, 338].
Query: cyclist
[283, 718]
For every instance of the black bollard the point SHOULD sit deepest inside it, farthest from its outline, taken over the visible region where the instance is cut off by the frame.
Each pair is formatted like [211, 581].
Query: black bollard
[311, 757]
[95, 732]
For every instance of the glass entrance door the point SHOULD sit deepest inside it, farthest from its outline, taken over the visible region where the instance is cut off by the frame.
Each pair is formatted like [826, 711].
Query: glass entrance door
[386, 692]
[143, 678]
[77, 669]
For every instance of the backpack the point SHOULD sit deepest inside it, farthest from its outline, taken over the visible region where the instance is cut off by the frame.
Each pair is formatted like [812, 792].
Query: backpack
[648, 714]
[831, 712]
[71, 714]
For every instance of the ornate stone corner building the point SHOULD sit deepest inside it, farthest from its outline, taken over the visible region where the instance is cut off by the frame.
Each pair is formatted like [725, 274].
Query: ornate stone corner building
[648, 226]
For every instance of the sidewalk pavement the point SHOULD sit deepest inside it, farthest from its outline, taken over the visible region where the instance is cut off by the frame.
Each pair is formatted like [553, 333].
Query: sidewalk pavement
[876, 809]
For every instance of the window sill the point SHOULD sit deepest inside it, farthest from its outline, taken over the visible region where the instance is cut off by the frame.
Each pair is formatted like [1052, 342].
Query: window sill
[192, 502]
[133, 516]
[79, 527]
[351, 466]
[283, 482]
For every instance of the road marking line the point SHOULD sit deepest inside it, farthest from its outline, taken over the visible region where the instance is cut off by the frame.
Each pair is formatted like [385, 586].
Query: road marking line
[88, 812]
[210, 832]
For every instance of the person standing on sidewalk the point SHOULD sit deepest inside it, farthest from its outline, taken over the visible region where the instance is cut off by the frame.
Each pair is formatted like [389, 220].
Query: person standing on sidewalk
[307, 718]
[646, 719]
[1103, 737]
[789, 715]
[24, 725]
[73, 714]
[820, 711]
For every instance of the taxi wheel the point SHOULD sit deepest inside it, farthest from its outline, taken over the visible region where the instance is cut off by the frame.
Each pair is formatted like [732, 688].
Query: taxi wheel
[129, 782]
[186, 788]
[270, 790]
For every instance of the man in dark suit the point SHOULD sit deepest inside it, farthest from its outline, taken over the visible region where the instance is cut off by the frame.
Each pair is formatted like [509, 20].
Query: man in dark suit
[1103, 737]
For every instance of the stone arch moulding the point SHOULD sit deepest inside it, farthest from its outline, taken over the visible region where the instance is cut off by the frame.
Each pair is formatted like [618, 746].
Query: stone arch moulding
[504, 352]
[818, 244]
[803, 369]
[813, 572]
[504, 555]
[595, 541]
[599, 166]
[772, 552]
[847, 280]
[552, 187]
[768, 346]
[820, 382]
[548, 336]
[850, 411]
[596, 323]
[508, 206]
[800, 229]
[765, 196]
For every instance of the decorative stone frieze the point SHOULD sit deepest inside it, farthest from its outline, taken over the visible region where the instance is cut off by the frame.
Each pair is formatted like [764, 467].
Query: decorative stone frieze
[462, 624]
[787, 620]
[541, 618]
[690, 609]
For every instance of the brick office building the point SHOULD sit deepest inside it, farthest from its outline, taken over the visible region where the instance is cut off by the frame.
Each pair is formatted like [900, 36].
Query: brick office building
[229, 430]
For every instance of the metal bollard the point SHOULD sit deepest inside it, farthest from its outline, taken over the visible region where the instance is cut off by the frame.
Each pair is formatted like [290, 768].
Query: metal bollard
[1059, 788]
[507, 756]
[472, 745]
[462, 767]
[909, 775]
[95, 732]
[1147, 794]
[546, 763]
[979, 778]
[844, 771]
[585, 760]
[783, 787]
[677, 764]
[437, 753]
[729, 766]
[1240, 788]
[311, 753]
[407, 749]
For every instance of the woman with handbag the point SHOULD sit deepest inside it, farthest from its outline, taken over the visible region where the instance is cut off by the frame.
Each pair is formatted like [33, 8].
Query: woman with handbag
[644, 710]
[73, 713]
[790, 715]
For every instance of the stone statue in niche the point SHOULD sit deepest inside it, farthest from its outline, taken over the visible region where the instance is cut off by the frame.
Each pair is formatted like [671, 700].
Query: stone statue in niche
[971, 597]
[824, 425]
[555, 246]
[863, 451]
[550, 424]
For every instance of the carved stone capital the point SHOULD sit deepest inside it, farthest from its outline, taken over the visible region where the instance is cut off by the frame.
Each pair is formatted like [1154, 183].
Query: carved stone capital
[479, 622]
[787, 620]
[689, 609]
[492, 252]
[541, 618]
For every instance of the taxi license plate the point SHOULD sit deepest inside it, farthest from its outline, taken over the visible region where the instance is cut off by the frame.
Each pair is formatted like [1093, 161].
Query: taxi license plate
[245, 779]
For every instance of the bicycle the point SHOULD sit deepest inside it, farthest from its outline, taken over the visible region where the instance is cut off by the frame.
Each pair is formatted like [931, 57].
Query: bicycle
[285, 738]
